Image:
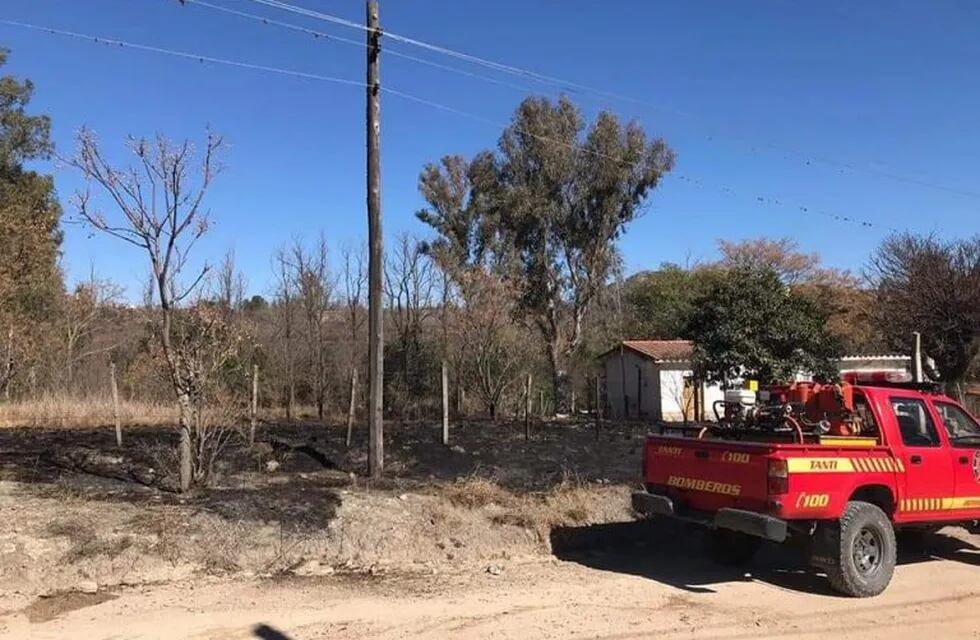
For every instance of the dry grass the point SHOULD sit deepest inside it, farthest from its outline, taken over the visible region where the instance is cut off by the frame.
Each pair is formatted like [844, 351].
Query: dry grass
[476, 493]
[62, 410]
[570, 503]
[85, 541]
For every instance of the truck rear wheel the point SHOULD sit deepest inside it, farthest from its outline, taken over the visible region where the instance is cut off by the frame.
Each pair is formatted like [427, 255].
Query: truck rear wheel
[731, 547]
[866, 551]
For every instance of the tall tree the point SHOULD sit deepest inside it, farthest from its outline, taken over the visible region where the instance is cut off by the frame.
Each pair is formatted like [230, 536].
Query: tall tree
[932, 286]
[750, 324]
[550, 204]
[30, 236]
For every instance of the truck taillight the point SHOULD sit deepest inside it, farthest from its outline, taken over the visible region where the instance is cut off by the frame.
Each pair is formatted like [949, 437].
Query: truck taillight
[778, 477]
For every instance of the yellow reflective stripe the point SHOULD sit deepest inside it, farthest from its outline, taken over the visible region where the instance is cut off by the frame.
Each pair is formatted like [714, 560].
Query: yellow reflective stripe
[819, 465]
[849, 441]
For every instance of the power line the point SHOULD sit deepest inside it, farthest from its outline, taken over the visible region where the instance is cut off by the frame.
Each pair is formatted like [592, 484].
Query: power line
[329, 37]
[575, 87]
[183, 54]
[122, 44]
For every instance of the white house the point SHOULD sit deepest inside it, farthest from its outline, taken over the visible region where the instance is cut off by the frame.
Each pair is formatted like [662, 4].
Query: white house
[652, 380]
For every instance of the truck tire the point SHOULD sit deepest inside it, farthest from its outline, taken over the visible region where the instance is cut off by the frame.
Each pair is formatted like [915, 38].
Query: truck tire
[866, 551]
[731, 547]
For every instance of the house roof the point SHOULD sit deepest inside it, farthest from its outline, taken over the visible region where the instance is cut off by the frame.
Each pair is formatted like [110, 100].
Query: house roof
[659, 350]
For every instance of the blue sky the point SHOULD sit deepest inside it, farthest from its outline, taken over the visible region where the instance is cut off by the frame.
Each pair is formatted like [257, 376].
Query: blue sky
[755, 96]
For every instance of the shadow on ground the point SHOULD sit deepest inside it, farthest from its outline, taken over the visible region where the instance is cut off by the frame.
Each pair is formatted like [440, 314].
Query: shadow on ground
[673, 553]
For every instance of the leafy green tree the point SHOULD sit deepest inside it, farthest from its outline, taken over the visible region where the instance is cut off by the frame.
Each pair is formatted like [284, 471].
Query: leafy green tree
[661, 302]
[750, 324]
[30, 235]
[548, 207]
[932, 286]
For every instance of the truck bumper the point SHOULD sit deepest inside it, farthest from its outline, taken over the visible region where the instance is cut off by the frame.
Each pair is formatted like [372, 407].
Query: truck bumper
[747, 522]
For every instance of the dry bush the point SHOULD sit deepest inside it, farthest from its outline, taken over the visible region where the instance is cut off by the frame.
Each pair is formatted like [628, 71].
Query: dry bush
[572, 502]
[476, 493]
[85, 541]
[63, 410]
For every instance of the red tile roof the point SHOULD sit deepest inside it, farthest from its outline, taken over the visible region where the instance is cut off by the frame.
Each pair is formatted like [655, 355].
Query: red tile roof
[662, 349]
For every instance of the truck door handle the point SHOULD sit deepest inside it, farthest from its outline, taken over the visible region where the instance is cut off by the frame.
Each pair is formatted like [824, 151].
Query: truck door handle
[964, 460]
[700, 454]
[916, 459]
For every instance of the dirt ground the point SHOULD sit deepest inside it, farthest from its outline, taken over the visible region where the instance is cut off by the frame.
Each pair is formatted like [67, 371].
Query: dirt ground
[662, 589]
[494, 537]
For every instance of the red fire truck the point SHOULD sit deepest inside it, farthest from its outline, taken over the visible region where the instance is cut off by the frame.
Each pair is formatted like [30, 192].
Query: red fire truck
[839, 466]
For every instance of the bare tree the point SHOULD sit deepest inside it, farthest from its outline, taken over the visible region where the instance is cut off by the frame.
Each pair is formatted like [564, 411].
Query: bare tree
[285, 315]
[355, 278]
[84, 310]
[495, 345]
[231, 283]
[160, 203]
[314, 288]
[409, 288]
[931, 286]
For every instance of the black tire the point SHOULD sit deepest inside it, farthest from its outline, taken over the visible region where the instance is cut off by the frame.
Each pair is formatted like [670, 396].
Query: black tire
[731, 547]
[866, 551]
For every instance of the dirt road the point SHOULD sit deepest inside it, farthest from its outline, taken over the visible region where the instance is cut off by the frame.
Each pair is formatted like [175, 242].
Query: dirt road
[610, 594]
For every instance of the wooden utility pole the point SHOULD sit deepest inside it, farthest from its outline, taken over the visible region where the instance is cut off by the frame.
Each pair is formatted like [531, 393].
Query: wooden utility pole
[254, 409]
[445, 404]
[115, 403]
[352, 409]
[375, 252]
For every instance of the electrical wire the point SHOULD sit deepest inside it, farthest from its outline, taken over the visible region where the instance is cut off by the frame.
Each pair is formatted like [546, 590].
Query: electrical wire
[357, 43]
[416, 99]
[575, 87]
[183, 54]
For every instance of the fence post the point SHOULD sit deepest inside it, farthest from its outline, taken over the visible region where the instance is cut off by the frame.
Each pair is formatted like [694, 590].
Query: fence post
[115, 402]
[352, 409]
[598, 407]
[527, 408]
[254, 410]
[445, 404]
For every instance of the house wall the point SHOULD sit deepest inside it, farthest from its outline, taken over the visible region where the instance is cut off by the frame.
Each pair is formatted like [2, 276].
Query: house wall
[642, 386]
[661, 385]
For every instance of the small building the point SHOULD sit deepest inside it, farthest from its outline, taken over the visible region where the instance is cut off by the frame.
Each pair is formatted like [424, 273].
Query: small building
[653, 380]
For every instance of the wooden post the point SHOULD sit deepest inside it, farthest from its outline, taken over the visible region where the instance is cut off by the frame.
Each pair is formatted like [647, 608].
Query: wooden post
[445, 404]
[375, 252]
[115, 403]
[598, 407]
[352, 409]
[527, 408]
[254, 412]
[541, 411]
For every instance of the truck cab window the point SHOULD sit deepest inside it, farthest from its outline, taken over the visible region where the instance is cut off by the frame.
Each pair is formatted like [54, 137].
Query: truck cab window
[962, 429]
[914, 423]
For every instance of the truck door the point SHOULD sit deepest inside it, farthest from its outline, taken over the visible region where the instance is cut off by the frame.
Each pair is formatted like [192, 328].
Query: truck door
[928, 463]
[963, 434]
